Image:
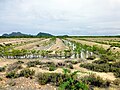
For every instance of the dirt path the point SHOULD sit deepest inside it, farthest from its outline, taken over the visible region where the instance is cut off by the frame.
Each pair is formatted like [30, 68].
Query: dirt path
[58, 46]
[109, 76]
[114, 49]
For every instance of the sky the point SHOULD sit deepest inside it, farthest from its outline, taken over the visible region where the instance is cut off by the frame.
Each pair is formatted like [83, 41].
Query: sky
[60, 17]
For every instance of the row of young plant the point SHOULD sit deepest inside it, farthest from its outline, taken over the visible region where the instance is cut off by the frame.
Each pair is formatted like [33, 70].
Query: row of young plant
[113, 44]
[23, 53]
[97, 50]
[80, 51]
[8, 51]
[13, 45]
[5, 48]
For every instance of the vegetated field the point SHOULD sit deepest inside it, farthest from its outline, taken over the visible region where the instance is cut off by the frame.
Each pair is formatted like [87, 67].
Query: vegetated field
[59, 64]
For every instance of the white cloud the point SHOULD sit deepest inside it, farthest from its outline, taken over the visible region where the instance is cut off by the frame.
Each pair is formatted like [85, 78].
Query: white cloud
[83, 16]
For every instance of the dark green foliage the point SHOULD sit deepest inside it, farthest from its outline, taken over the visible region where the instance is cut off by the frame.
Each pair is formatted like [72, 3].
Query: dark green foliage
[43, 78]
[64, 81]
[117, 72]
[91, 58]
[2, 69]
[100, 61]
[53, 78]
[52, 68]
[107, 57]
[96, 81]
[70, 66]
[1, 79]
[26, 73]
[72, 61]
[33, 63]
[71, 83]
[12, 74]
[19, 62]
[96, 67]
[101, 67]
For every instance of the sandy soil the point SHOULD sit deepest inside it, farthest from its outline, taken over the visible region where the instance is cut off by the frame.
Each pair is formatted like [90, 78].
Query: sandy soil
[58, 46]
[17, 40]
[109, 76]
[114, 49]
[31, 45]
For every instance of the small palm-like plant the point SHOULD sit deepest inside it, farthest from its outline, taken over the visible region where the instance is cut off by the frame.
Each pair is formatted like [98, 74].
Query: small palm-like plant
[71, 83]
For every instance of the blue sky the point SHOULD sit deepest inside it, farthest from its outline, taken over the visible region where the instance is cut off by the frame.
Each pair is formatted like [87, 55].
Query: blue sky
[59, 17]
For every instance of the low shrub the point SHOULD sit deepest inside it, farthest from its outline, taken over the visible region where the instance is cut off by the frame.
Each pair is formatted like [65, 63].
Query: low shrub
[52, 68]
[43, 78]
[96, 67]
[100, 61]
[71, 61]
[14, 66]
[33, 63]
[1, 79]
[107, 57]
[12, 74]
[70, 66]
[96, 81]
[19, 62]
[117, 72]
[64, 81]
[26, 73]
[91, 58]
[60, 64]
[2, 69]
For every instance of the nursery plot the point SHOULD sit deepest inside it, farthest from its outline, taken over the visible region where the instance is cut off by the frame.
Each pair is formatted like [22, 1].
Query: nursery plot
[18, 41]
[102, 39]
[44, 45]
[39, 50]
[114, 49]
[31, 45]
[114, 42]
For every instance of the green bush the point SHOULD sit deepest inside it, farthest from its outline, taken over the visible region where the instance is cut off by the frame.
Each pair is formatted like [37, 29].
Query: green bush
[52, 68]
[96, 67]
[107, 57]
[1, 79]
[19, 62]
[71, 61]
[33, 63]
[12, 74]
[43, 78]
[71, 83]
[70, 66]
[91, 58]
[26, 73]
[64, 81]
[100, 61]
[117, 72]
[96, 81]
[2, 69]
